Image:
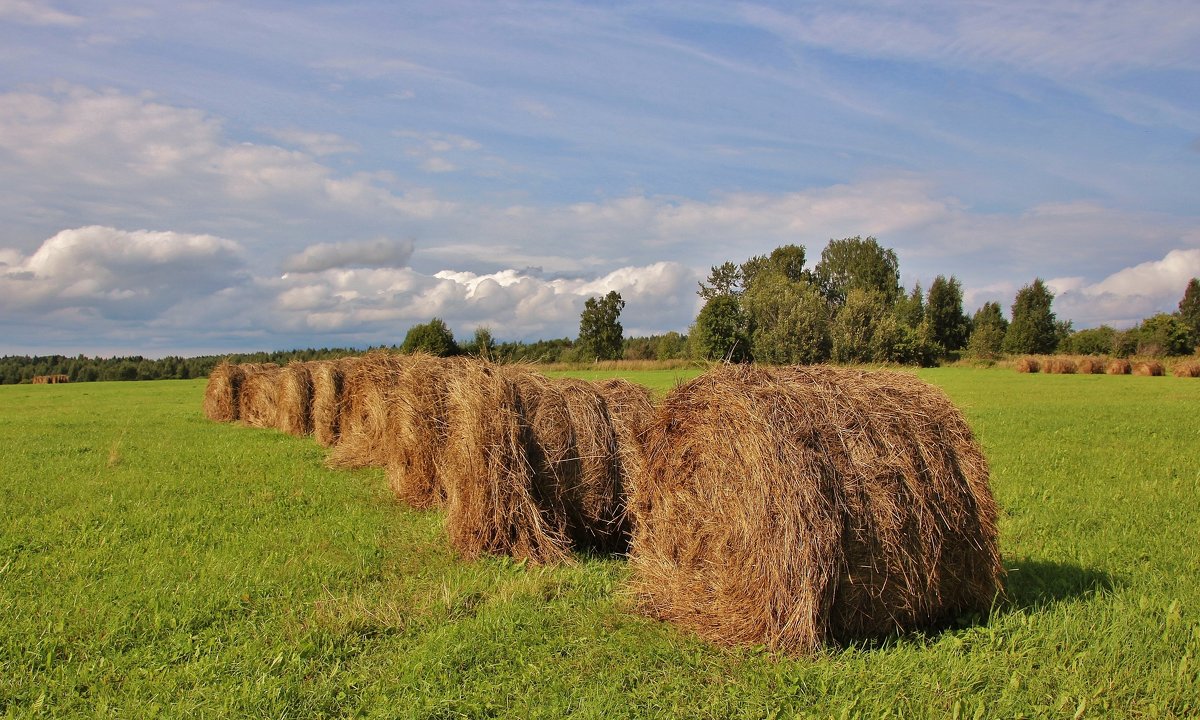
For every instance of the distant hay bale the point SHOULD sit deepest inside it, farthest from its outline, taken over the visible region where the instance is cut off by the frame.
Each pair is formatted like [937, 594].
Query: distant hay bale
[1119, 366]
[50, 379]
[295, 399]
[327, 381]
[1187, 369]
[1058, 365]
[1090, 366]
[790, 507]
[258, 401]
[1028, 365]
[221, 395]
[1148, 368]
[535, 467]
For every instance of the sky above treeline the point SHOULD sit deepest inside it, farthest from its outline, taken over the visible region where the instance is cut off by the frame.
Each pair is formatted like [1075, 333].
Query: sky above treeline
[191, 177]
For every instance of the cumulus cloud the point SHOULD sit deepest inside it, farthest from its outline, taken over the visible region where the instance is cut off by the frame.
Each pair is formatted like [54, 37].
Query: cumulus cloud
[317, 143]
[371, 253]
[1128, 295]
[117, 274]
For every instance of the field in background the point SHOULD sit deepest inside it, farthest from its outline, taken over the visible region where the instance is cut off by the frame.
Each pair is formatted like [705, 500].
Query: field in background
[152, 561]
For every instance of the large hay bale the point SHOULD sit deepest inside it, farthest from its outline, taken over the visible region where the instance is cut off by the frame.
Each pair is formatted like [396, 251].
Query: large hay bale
[362, 439]
[535, 468]
[221, 395]
[1028, 365]
[258, 401]
[789, 507]
[328, 377]
[631, 408]
[295, 399]
[1148, 368]
[1058, 365]
[1187, 369]
[1119, 366]
[1090, 366]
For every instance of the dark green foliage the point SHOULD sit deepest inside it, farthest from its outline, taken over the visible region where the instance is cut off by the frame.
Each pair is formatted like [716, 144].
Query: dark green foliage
[433, 337]
[720, 332]
[725, 279]
[1163, 334]
[600, 328]
[670, 346]
[1093, 341]
[482, 344]
[1032, 330]
[858, 264]
[789, 320]
[863, 329]
[1189, 311]
[910, 308]
[1125, 343]
[948, 325]
[987, 332]
[787, 260]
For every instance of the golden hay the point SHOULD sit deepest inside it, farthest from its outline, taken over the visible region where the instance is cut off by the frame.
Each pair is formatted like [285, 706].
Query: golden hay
[1059, 366]
[631, 409]
[327, 379]
[534, 467]
[1028, 365]
[258, 401]
[362, 439]
[295, 399]
[1119, 367]
[221, 395]
[1090, 366]
[790, 507]
[1148, 368]
[1187, 369]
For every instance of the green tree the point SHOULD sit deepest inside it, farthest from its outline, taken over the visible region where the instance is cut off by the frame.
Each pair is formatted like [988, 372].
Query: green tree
[1032, 328]
[670, 346]
[1092, 341]
[787, 260]
[863, 330]
[910, 309]
[858, 264]
[482, 344]
[720, 331]
[987, 332]
[948, 325]
[1189, 311]
[1163, 334]
[600, 331]
[433, 337]
[789, 319]
[725, 279]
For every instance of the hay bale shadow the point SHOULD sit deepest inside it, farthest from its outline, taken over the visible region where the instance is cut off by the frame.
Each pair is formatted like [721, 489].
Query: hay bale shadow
[1038, 584]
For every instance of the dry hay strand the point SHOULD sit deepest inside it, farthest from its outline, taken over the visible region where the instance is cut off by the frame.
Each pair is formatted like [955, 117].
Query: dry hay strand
[1118, 367]
[362, 436]
[790, 507]
[295, 398]
[328, 377]
[535, 468]
[258, 401]
[1090, 366]
[1059, 366]
[1148, 368]
[416, 428]
[221, 395]
[1028, 365]
[1187, 369]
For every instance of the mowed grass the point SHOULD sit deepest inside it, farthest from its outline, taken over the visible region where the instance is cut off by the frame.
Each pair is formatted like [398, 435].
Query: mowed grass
[153, 563]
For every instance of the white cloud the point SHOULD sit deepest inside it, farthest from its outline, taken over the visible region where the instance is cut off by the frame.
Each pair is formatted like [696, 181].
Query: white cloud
[371, 253]
[317, 143]
[1128, 295]
[36, 12]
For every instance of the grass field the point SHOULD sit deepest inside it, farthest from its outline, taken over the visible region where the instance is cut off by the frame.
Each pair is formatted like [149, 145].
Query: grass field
[153, 563]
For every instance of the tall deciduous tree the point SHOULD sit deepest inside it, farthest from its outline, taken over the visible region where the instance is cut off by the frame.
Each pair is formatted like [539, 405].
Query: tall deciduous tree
[720, 331]
[863, 329]
[1189, 311]
[789, 320]
[1032, 329]
[600, 331]
[433, 337]
[948, 325]
[858, 264]
[988, 328]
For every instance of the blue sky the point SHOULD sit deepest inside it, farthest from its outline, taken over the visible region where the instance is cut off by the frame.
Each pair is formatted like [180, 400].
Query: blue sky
[208, 176]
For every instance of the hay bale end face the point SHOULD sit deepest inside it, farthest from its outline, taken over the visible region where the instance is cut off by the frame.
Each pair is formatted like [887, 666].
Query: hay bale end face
[1028, 365]
[1090, 366]
[1059, 366]
[328, 378]
[258, 401]
[295, 399]
[222, 394]
[792, 507]
[1149, 368]
[1187, 369]
[1119, 367]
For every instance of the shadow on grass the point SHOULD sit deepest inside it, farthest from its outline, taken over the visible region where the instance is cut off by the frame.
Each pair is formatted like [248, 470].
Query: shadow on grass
[1036, 584]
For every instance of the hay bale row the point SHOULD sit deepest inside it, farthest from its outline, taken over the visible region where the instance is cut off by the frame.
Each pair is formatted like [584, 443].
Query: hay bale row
[1092, 365]
[1187, 369]
[1119, 366]
[1149, 368]
[1058, 365]
[1028, 365]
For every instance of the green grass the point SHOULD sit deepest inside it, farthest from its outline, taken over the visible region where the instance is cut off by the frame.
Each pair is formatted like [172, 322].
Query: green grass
[154, 563]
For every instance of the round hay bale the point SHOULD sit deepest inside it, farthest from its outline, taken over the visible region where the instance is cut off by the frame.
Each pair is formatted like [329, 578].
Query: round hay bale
[258, 401]
[221, 394]
[362, 436]
[1028, 365]
[328, 377]
[1059, 366]
[294, 415]
[631, 408]
[1119, 366]
[1090, 366]
[1148, 368]
[1187, 369]
[789, 507]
